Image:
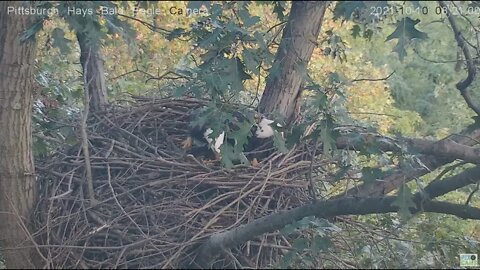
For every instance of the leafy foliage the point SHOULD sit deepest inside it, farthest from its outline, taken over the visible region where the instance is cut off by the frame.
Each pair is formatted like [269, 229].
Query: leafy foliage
[305, 251]
[405, 32]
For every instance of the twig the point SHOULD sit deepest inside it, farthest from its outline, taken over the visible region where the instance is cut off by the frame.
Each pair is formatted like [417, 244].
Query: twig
[148, 25]
[473, 192]
[373, 80]
[119, 205]
[433, 61]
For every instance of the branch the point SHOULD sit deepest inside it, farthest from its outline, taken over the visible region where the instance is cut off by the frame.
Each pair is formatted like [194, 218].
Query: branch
[472, 71]
[338, 207]
[439, 187]
[446, 148]
[165, 76]
[396, 177]
[473, 192]
[148, 25]
[374, 80]
[433, 61]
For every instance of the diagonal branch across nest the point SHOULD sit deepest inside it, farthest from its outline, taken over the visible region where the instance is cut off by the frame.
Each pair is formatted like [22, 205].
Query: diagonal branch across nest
[157, 203]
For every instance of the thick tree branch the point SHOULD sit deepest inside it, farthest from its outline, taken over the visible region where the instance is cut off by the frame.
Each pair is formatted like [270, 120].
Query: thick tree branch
[472, 71]
[440, 187]
[446, 148]
[345, 206]
[397, 177]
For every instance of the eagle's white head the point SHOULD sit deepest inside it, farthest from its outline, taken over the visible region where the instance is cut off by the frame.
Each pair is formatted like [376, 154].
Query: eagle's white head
[264, 128]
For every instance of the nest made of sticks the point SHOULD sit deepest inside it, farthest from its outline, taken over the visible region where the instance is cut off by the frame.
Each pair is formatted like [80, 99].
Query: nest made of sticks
[156, 203]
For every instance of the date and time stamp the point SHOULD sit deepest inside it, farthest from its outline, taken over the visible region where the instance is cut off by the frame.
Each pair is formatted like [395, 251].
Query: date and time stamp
[380, 11]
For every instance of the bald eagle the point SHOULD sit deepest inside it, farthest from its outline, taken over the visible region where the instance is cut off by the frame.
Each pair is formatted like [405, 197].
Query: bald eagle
[264, 128]
[201, 141]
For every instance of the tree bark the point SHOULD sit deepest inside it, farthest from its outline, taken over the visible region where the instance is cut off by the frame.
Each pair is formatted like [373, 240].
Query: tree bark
[90, 55]
[17, 178]
[283, 91]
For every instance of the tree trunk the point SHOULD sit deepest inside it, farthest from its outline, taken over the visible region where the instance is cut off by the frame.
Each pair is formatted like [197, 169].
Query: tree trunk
[95, 76]
[17, 178]
[283, 91]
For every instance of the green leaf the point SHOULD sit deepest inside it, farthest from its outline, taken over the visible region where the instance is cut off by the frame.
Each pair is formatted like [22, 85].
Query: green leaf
[209, 55]
[274, 71]
[406, 29]
[250, 61]
[327, 141]
[197, 4]
[356, 31]
[228, 155]
[335, 78]
[368, 34]
[300, 244]
[288, 229]
[327, 136]
[40, 147]
[416, 4]
[279, 10]
[248, 20]
[115, 25]
[305, 222]
[59, 41]
[180, 91]
[242, 134]
[235, 74]
[320, 101]
[260, 40]
[320, 243]
[404, 202]
[30, 33]
[297, 132]
[286, 260]
[279, 142]
[175, 33]
[405, 32]
[211, 39]
[345, 9]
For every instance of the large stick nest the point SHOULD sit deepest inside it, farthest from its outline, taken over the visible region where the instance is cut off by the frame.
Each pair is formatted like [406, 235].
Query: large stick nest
[157, 203]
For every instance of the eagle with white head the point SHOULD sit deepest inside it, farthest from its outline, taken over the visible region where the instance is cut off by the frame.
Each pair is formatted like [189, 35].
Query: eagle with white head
[261, 129]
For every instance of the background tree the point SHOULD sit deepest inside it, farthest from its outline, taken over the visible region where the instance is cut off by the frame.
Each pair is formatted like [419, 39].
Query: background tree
[92, 62]
[17, 173]
[283, 90]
